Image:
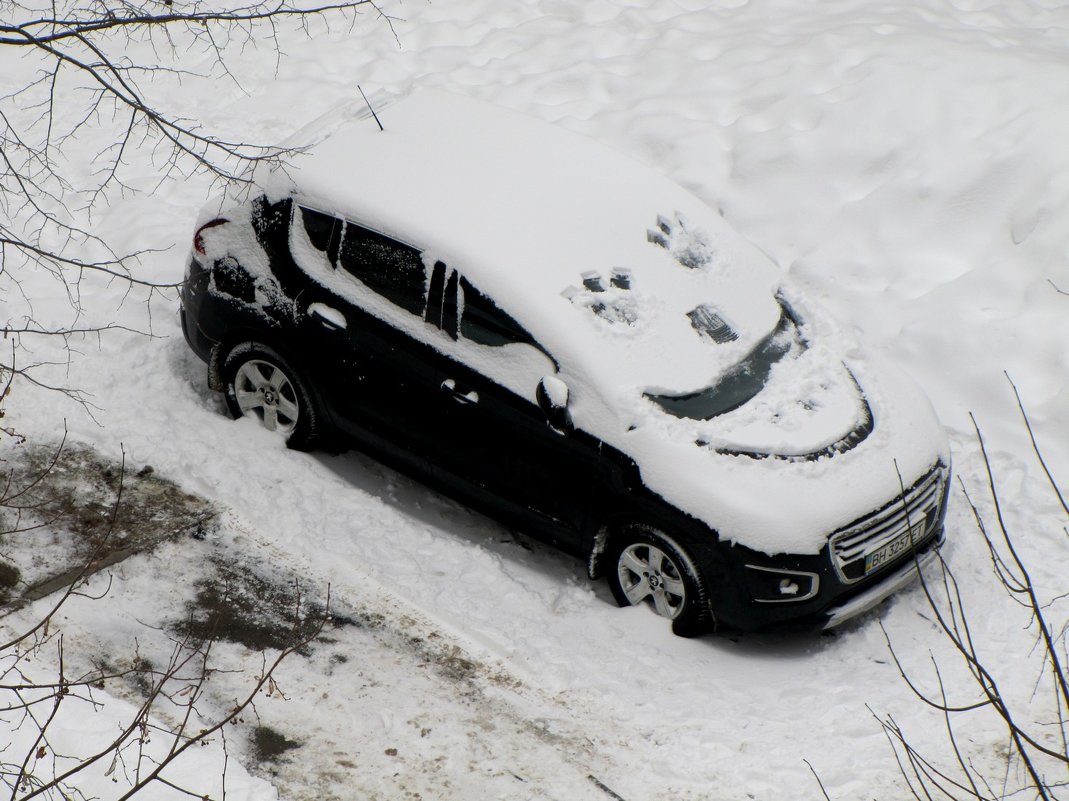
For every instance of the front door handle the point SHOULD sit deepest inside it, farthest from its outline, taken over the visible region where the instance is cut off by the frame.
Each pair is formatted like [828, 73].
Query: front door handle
[460, 393]
[328, 316]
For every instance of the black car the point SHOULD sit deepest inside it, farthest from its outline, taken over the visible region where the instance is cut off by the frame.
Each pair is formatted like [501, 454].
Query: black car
[575, 345]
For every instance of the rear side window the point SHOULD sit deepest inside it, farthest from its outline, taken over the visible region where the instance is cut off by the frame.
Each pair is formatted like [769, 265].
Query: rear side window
[390, 268]
[271, 223]
[319, 227]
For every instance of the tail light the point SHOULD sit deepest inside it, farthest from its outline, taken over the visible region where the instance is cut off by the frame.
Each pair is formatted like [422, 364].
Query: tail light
[198, 240]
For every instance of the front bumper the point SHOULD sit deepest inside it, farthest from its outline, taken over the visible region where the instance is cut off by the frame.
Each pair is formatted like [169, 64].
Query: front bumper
[831, 604]
[872, 597]
[862, 564]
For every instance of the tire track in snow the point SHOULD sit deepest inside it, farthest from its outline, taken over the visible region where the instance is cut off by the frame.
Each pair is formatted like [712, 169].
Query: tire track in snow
[507, 738]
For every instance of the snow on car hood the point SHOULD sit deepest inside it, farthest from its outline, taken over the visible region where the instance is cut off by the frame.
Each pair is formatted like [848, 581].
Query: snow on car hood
[652, 306]
[833, 435]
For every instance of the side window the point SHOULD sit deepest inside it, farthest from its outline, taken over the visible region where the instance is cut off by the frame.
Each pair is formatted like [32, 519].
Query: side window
[271, 223]
[442, 305]
[392, 269]
[484, 322]
[469, 316]
[319, 227]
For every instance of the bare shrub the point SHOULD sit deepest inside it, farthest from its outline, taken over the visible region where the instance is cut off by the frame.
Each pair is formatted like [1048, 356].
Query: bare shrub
[81, 92]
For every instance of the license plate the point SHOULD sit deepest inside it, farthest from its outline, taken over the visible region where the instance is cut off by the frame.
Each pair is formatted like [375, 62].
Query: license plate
[895, 548]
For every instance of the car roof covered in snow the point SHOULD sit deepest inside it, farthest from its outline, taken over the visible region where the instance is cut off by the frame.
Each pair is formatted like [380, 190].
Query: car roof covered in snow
[539, 218]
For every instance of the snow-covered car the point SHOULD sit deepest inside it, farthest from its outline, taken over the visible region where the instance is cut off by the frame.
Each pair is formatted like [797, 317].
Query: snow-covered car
[571, 342]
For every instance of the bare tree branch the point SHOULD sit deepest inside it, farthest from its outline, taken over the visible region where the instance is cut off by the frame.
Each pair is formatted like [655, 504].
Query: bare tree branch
[1034, 756]
[89, 86]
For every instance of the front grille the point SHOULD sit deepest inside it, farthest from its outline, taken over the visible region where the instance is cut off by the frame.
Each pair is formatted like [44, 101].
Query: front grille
[918, 509]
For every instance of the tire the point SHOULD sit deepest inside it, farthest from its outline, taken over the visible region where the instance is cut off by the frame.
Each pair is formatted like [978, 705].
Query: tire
[259, 382]
[646, 567]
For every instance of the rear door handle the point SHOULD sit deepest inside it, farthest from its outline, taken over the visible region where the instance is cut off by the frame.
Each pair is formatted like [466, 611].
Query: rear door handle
[460, 393]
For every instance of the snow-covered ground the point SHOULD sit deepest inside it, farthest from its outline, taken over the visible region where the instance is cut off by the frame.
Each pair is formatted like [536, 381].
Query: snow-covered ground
[903, 161]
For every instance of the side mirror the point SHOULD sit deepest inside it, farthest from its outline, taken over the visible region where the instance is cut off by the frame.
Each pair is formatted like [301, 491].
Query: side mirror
[552, 397]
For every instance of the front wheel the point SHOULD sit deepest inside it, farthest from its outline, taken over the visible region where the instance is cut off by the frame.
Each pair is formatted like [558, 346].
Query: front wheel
[646, 567]
[260, 383]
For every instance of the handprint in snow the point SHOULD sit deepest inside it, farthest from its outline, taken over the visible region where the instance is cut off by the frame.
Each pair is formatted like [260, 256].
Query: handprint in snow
[613, 303]
[688, 247]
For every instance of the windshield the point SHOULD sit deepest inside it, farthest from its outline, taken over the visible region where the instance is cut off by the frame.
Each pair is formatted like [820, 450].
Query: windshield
[743, 381]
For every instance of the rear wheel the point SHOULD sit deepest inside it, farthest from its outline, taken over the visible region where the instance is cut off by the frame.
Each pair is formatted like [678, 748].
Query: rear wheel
[260, 383]
[647, 568]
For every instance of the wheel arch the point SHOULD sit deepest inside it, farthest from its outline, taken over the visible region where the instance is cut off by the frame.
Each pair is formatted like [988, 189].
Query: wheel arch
[683, 530]
[235, 336]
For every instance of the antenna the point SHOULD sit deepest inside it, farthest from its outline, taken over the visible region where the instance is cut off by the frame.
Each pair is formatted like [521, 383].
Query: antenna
[373, 114]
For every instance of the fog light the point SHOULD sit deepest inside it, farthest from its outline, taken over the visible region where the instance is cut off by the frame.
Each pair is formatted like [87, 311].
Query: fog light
[769, 585]
[788, 587]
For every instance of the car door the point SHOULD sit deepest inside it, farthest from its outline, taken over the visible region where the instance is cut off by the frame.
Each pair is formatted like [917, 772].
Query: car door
[499, 441]
[357, 315]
